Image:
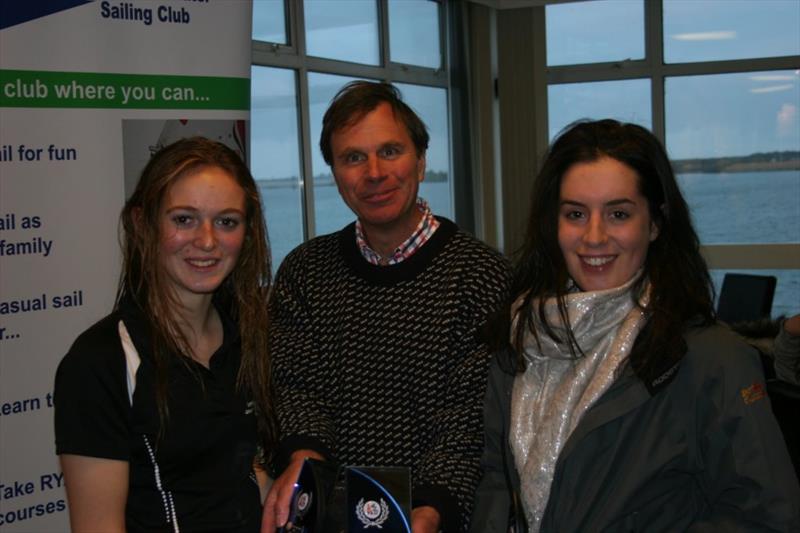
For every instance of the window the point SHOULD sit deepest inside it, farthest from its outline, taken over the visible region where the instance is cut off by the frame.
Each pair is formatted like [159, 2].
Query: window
[269, 21]
[414, 33]
[323, 87]
[275, 155]
[719, 83]
[710, 30]
[624, 100]
[734, 141]
[346, 30]
[593, 32]
[430, 103]
[303, 53]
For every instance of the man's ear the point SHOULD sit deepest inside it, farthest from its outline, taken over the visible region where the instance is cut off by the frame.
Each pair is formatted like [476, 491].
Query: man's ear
[421, 165]
[336, 180]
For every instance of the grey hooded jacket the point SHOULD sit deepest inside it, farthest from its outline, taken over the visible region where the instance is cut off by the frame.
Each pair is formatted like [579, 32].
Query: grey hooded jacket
[700, 451]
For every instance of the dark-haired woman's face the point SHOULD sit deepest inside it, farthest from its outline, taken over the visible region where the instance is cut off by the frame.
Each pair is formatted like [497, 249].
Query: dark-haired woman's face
[203, 224]
[604, 224]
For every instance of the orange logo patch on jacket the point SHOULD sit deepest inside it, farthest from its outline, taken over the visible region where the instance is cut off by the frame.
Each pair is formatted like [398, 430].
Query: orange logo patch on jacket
[753, 393]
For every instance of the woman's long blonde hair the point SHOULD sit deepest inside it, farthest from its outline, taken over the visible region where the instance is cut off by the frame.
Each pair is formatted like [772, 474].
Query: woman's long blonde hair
[243, 293]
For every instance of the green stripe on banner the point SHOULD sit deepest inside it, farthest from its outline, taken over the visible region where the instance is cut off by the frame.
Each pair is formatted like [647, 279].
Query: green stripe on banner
[30, 88]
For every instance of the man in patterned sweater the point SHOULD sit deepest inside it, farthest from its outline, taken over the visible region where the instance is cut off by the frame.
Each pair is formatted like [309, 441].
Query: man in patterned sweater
[378, 359]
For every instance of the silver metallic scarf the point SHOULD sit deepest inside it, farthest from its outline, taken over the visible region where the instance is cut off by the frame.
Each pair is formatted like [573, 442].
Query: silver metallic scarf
[549, 399]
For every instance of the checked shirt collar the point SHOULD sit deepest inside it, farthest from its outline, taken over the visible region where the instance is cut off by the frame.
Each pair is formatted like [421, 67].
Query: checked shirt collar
[426, 227]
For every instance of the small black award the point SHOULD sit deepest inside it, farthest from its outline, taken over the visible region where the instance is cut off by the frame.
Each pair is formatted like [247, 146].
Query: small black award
[309, 502]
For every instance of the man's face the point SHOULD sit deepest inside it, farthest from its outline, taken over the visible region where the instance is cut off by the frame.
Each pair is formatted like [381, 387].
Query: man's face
[378, 171]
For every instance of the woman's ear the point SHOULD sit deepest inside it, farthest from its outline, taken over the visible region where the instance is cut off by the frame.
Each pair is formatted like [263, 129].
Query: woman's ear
[653, 230]
[656, 221]
[136, 217]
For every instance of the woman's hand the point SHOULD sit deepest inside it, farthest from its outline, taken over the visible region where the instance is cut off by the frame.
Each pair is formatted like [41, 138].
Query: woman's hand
[97, 491]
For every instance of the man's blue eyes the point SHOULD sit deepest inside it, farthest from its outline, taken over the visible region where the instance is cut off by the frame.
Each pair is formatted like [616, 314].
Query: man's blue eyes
[386, 152]
[354, 158]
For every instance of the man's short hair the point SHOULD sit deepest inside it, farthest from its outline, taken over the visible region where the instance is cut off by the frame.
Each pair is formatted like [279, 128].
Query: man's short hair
[358, 98]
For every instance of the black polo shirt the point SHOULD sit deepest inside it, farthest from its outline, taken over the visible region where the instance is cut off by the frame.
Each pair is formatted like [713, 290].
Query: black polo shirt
[197, 475]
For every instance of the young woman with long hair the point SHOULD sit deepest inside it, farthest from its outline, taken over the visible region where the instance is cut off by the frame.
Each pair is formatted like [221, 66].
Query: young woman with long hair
[161, 407]
[616, 403]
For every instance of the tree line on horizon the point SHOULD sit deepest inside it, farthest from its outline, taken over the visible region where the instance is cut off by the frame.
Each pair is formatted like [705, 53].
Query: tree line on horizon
[785, 160]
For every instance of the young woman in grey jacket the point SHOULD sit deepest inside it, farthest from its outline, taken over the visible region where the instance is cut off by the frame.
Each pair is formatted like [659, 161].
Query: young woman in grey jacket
[616, 403]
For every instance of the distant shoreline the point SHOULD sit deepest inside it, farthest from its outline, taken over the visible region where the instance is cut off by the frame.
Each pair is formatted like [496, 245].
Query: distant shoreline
[760, 162]
[690, 168]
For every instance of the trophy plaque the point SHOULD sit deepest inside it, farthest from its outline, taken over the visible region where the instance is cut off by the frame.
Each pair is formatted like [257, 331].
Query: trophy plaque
[378, 499]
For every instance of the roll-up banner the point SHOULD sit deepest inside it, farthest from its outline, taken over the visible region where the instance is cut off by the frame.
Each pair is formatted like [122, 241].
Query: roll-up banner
[88, 91]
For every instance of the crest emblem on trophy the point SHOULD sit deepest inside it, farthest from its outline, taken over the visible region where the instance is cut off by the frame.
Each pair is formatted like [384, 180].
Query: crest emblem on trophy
[378, 499]
[372, 513]
[303, 502]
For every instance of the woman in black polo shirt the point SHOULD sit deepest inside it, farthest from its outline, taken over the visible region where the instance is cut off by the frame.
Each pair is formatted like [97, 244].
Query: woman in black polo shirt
[160, 406]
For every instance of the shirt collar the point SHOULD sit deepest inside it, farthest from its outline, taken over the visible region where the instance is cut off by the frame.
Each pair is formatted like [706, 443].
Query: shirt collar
[425, 228]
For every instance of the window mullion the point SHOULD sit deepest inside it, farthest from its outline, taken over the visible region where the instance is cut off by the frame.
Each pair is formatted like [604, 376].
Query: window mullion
[306, 143]
[383, 38]
[654, 55]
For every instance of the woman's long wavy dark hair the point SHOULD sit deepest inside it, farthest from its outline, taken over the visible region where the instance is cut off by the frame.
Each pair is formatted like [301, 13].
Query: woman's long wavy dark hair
[244, 292]
[680, 286]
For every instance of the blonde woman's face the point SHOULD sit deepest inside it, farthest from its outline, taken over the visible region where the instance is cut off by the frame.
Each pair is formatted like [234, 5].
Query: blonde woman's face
[202, 229]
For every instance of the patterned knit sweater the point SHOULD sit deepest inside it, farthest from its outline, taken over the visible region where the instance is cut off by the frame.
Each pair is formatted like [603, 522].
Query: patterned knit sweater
[383, 365]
